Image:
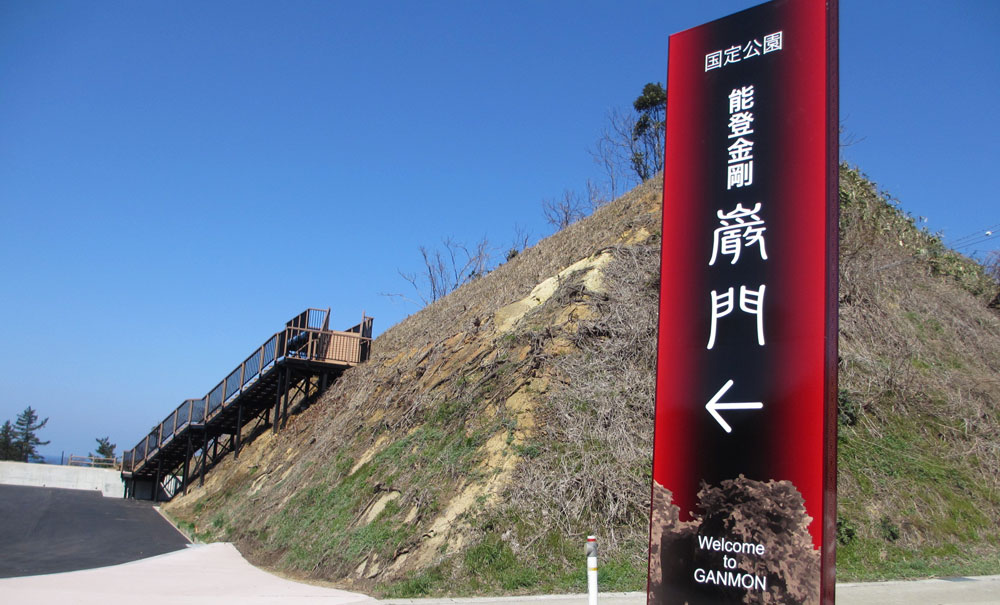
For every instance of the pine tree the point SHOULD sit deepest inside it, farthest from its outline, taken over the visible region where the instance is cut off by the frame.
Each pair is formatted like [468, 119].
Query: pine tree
[7, 449]
[648, 132]
[25, 439]
[105, 449]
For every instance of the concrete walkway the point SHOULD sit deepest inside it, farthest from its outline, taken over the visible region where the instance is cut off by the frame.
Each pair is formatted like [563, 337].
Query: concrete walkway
[216, 574]
[212, 574]
[979, 590]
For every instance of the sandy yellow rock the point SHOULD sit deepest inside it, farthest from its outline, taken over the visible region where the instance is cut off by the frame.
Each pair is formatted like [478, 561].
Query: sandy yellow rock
[506, 317]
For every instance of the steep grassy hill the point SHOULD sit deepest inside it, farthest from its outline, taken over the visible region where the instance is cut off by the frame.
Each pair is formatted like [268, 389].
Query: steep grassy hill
[919, 445]
[496, 428]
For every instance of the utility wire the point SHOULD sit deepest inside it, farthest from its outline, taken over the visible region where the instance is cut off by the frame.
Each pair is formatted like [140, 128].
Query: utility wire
[985, 238]
[979, 236]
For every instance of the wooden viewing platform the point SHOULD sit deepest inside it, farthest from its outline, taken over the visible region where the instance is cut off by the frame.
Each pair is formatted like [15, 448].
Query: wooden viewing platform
[302, 359]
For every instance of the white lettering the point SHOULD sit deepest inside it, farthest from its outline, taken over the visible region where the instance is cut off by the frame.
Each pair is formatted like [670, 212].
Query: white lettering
[772, 42]
[732, 236]
[751, 302]
[730, 578]
[742, 52]
[725, 545]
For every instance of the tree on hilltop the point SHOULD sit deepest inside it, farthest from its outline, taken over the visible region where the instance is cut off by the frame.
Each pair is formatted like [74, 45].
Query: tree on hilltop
[25, 439]
[648, 132]
[630, 148]
[105, 449]
[7, 449]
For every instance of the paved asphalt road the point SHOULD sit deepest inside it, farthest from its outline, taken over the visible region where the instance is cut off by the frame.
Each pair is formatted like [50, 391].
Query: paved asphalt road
[47, 530]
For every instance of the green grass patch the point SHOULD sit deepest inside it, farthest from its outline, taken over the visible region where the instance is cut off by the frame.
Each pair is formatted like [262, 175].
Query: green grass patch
[937, 513]
[323, 525]
[492, 564]
[420, 584]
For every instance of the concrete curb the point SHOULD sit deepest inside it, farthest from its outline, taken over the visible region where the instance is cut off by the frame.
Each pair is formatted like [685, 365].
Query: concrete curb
[167, 518]
[978, 590]
[900, 583]
[552, 598]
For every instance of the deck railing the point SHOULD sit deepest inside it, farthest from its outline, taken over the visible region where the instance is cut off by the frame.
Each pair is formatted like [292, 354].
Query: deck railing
[94, 461]
[306, 337]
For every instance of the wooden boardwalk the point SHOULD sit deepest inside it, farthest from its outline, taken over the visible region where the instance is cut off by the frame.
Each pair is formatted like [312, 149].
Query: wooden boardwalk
[294, 365]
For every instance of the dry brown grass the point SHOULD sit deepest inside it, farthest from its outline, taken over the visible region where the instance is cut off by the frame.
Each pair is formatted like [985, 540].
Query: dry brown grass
[480, 298]
[593, 461]
[911, 341]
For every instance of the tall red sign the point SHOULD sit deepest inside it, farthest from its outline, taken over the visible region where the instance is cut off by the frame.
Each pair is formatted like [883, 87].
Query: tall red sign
[744, 463]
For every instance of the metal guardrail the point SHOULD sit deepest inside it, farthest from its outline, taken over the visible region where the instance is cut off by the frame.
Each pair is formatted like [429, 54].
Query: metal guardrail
[305, 337]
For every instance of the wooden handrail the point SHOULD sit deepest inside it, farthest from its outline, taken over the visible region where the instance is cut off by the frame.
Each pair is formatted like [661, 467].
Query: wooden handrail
[306, 336]
[94, 461]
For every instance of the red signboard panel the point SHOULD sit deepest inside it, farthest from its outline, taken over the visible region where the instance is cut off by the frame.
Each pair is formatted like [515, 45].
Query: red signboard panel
[744, 459]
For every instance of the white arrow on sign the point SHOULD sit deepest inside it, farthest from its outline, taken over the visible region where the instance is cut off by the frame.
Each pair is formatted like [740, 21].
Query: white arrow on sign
[713, 406]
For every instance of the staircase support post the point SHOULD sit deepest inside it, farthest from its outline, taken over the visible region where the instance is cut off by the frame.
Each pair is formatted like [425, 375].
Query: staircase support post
[187, 463]
[239, 430]
[204, 459]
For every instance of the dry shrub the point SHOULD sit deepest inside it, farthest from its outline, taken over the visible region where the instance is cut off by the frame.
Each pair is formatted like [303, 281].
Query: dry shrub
[594, 465]
[900, 312]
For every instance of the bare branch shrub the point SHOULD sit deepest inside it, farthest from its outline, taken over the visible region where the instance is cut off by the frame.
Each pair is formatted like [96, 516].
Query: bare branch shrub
[614, 149]
[992, 265]
[597, 195]
[563, 212]
[448, 269]
[595, 458]
[511, 281]
[519, 242]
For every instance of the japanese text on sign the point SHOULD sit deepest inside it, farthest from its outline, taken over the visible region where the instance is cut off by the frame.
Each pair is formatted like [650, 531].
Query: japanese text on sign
[740, 172]
[742, 52]
[740, 227]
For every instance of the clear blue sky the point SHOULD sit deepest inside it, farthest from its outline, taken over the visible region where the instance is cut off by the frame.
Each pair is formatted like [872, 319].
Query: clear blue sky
[177, 179]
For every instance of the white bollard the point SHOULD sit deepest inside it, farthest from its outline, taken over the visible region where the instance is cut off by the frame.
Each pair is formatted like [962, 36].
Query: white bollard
[591, 551]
